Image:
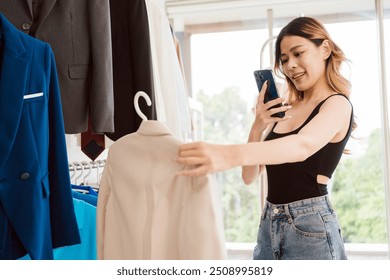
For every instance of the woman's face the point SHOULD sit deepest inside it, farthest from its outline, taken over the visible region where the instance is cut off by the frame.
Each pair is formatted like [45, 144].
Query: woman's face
[303, 62]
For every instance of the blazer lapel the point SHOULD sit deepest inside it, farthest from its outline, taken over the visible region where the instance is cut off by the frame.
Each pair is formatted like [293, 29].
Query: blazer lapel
[30, 6]
[46, 8]
[12, 87]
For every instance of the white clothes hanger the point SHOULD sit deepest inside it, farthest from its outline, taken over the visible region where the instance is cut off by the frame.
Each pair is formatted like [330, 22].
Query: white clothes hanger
[81, 173]
[74, 170]
[265, 44]
[136, 105]
[87, 164]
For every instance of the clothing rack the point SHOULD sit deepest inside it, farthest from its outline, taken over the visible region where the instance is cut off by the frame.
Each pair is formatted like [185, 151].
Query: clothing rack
[84, 169]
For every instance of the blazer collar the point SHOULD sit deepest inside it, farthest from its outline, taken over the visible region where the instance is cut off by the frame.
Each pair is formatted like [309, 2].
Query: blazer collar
[12, 86]
[153, 128]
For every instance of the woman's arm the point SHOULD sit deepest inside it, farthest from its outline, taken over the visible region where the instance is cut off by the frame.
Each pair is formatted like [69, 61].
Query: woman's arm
[249, 173]
[333, 118]
[260, 129]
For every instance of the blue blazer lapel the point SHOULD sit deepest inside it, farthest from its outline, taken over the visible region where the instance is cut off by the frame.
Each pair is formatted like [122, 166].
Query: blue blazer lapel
[12, 86]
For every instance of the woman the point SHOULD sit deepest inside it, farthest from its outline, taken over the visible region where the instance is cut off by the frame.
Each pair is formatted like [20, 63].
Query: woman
[300, 151]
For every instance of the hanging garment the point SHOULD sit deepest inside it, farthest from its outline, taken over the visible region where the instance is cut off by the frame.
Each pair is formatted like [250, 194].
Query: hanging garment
[79, 34]
[132, 66]
[86, 220]
[170, 89]
[86, 250]
[146, 212]
[36, 206]
[85, 193]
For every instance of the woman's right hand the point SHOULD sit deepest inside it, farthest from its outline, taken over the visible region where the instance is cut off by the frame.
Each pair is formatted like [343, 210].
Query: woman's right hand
[263, 113]
[262, 119]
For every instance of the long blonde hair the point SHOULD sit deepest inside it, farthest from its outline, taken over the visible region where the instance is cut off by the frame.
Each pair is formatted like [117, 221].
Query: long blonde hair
[313, 30]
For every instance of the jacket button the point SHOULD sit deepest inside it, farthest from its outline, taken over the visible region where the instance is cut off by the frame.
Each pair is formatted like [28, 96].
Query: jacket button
[26, 26]
[25, 176]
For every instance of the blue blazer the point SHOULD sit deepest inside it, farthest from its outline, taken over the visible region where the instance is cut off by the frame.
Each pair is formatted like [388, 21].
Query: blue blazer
[36, 207]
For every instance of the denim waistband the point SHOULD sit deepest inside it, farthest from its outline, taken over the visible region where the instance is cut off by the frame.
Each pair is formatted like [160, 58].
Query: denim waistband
[300, 207]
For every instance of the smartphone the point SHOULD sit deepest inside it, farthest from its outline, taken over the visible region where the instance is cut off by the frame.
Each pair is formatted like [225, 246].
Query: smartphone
[272, 93]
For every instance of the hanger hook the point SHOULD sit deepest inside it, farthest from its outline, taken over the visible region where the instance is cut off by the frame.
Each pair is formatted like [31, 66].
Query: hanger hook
[265, 44]
[89, 171]
[81, 173]
[74, 171]
[136, 105]
[97, 171]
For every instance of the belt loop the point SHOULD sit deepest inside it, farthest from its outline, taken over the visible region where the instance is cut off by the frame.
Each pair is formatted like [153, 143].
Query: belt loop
[287, 212]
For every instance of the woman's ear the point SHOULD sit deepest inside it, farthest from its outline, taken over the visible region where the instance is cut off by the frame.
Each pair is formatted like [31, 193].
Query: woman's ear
[326, 49]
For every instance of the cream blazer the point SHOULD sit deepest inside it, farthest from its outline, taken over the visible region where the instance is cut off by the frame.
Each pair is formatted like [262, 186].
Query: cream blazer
[146, 212]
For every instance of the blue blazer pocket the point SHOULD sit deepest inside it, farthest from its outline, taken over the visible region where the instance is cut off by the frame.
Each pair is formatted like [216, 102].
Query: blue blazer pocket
[45, 185]
[31, 97]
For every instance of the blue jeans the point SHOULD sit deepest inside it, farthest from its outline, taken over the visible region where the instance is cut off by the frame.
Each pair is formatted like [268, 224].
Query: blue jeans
[302, 230]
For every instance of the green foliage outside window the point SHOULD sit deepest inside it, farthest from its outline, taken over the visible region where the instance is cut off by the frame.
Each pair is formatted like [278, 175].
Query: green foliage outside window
[358, 194]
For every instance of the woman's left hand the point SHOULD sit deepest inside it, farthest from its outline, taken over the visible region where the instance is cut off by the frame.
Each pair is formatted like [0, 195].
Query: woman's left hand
[205, 157]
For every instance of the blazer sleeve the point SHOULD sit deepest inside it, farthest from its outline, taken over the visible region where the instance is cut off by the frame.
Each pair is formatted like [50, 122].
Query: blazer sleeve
[101, 91]
[62, 216]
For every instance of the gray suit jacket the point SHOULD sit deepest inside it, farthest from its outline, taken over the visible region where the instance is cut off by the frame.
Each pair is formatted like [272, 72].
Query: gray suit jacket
[79, 33]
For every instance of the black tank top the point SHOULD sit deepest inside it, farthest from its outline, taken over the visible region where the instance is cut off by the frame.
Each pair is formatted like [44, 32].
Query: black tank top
[290, 182]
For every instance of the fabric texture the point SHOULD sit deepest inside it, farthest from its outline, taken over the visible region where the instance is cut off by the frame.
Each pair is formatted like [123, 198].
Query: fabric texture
[147, 212]
[36, 206]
